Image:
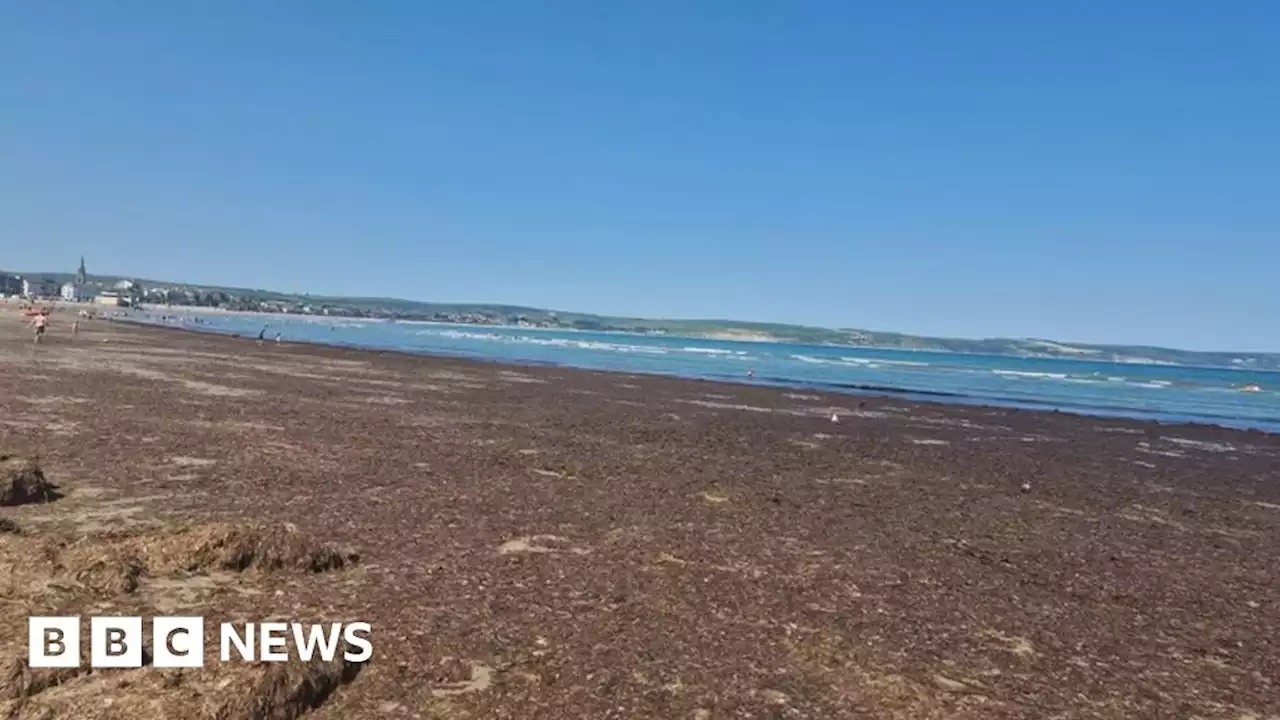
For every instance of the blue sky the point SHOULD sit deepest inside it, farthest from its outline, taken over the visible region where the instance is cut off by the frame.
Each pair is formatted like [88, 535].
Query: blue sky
[1077, 170]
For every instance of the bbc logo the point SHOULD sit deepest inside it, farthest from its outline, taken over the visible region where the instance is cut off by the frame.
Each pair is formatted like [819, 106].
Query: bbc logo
[115, 642]
[178, 642]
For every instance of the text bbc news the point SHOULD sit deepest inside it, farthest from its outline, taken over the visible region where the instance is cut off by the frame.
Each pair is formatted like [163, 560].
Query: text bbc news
[178, 642]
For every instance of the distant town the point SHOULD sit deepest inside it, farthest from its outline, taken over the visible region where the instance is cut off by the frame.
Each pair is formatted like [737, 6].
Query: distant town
[124, 293]
[81, 287]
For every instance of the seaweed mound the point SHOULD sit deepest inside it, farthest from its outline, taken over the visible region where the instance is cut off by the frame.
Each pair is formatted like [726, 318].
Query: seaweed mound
[256, 691]
[18, 681]
[119, 566]
[241, 547]
[287, 691]
[23, 483]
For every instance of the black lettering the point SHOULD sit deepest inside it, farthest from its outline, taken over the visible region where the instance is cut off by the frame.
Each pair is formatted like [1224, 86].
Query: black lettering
[168, 642]
[115, 642]
[53, 639]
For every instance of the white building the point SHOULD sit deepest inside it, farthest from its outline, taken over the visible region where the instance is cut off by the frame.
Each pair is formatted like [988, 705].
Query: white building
[39, 288]
[73, 292]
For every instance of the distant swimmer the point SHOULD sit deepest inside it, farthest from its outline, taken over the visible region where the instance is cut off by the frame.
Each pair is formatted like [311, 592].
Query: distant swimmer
[751, 372]
[1251, 388]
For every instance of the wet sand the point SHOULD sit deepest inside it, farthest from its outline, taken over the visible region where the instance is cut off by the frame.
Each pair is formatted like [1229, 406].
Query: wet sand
[554, 543]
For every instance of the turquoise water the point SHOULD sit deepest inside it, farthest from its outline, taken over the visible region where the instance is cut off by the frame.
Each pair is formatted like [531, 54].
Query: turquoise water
[1160, 392]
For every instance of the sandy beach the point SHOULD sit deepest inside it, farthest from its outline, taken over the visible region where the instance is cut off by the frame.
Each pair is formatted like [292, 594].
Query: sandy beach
[532, 542]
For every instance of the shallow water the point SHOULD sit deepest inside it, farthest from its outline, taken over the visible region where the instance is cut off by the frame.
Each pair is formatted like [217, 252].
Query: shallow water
[1160, 392]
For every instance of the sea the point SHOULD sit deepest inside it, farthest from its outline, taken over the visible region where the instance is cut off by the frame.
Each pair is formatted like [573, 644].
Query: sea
[1165, 393]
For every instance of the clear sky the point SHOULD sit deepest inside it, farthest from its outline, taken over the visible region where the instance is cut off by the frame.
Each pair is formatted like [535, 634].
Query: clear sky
[1090, 171]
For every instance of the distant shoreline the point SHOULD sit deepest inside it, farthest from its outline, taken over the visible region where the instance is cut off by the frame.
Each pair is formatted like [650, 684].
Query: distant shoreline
[766, 372]
[1020, 348]
[725, 337]
[730, 335]
[263, 302]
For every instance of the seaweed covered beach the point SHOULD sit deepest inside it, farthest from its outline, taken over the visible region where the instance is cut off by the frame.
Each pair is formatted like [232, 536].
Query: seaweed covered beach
[540, 542]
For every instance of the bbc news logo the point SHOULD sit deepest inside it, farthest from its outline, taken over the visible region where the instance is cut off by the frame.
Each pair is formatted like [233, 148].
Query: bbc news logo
[178, 642]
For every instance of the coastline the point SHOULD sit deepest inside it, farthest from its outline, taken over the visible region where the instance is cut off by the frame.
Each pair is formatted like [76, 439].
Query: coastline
[1081, 355]
[586, 541]
[731, 336]
[865, 388]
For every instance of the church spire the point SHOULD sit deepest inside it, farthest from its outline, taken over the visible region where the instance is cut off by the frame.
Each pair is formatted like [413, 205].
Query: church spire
[81, 275]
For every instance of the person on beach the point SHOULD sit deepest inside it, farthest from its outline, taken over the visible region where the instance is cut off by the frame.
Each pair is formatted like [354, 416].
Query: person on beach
[75, 328]
[262, 334]
[39, 323]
